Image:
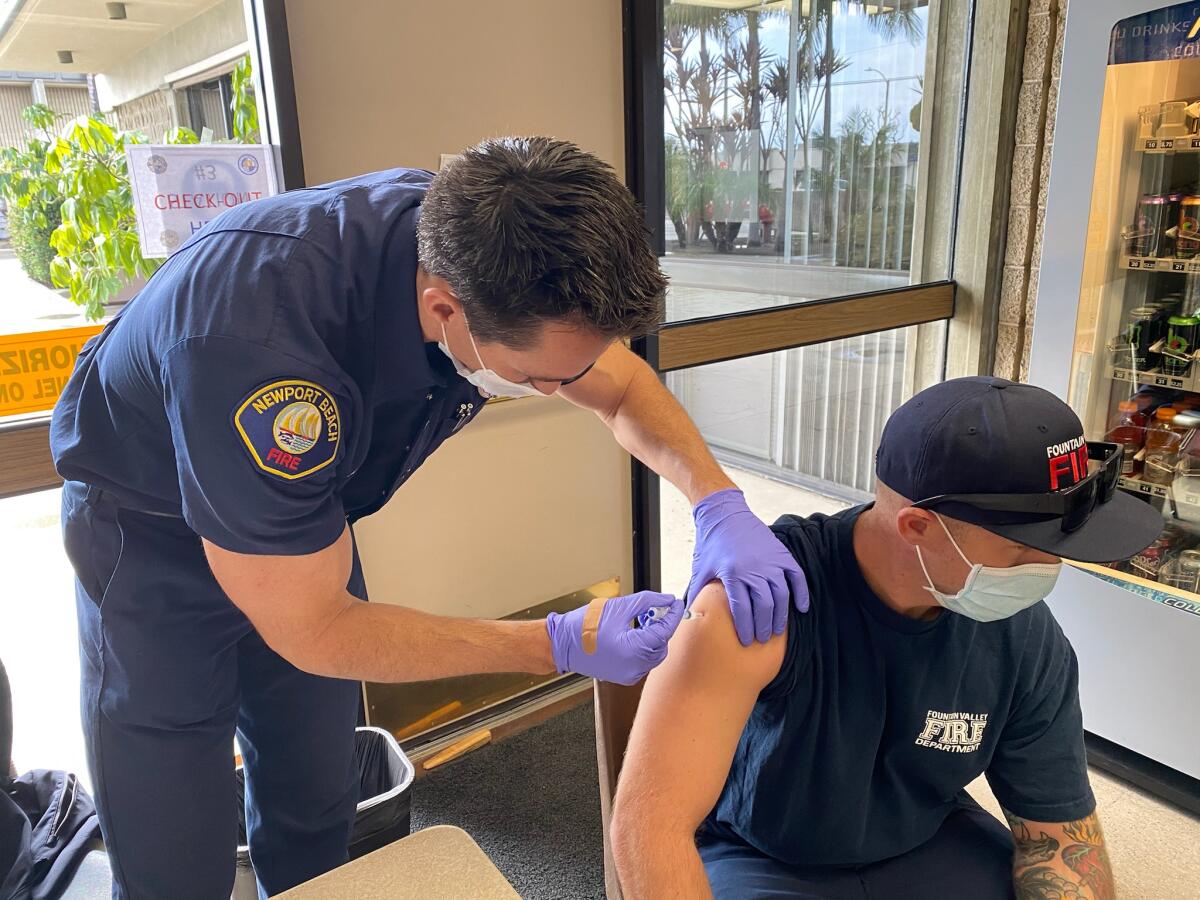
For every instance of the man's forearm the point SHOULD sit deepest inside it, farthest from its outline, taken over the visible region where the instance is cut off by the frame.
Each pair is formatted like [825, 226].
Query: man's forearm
[654, 866]
[1060, 860]
[651, 425]
[385, 643]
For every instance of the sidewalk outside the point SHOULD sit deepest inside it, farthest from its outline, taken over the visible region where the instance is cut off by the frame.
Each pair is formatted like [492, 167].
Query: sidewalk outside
[26, 306]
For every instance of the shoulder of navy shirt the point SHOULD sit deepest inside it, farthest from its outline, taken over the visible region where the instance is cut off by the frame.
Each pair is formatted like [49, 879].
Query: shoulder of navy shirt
[362, 229]
[315, 285]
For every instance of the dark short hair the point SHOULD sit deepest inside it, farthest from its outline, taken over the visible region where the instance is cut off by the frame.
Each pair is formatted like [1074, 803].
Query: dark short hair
[528, 230]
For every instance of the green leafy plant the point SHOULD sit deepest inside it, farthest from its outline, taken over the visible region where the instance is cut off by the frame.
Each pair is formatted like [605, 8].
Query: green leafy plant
[71, 203]
[31, 194]
[31, 244]
[243, 103]
[97, 242]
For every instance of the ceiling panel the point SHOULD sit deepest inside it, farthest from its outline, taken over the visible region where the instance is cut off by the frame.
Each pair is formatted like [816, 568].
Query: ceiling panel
[40, 28]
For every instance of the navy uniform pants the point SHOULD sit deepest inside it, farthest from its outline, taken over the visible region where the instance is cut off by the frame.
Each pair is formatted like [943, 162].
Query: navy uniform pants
[170, 669]
[971, 856]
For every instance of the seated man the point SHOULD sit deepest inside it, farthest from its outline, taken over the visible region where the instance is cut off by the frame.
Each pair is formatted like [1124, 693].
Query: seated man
[832, 761]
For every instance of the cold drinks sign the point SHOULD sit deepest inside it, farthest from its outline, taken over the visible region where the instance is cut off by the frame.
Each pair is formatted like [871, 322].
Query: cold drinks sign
[178, 189]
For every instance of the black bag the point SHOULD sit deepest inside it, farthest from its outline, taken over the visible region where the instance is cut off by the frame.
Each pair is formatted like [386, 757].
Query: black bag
[47, 821]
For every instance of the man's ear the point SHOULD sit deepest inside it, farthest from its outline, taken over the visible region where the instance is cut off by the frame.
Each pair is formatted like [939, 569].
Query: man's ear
[439, 300]
[914, 525]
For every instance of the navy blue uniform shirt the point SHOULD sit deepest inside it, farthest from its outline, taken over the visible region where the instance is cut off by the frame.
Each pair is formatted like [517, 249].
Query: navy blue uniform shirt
[271, 380]
[863, 743]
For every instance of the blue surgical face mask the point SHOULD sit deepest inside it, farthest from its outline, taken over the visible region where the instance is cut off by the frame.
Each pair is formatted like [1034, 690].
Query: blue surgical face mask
[991, 593]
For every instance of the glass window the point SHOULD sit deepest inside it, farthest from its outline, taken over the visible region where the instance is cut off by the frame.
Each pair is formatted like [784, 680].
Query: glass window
[792, 137]
[797, 429]
[66, 119]
[39, 603]
[208, 105]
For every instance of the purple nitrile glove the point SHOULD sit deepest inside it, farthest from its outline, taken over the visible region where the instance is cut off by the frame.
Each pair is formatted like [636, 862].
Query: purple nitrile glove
[621, 653]
[760, 576]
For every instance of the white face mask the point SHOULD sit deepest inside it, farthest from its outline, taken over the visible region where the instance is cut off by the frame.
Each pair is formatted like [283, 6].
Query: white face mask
[489, 383]
[991, 593]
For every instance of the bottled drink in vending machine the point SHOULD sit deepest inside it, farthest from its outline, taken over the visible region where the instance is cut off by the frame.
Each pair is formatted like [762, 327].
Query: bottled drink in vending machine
[1143, 333]
[1182, 572]
[1168, 304]
[1187, 238]
[1162, 448]
[1171, 222]
[1149, 224]
[1182, 332]
[1150, 561]
[1129, 430]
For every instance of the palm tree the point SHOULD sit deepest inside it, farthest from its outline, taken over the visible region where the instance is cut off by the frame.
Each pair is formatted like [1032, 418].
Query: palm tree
[713, 65]
[724, 92]
[900, 21]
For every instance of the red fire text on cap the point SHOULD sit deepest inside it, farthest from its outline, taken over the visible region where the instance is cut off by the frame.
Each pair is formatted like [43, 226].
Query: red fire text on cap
[1068, 458]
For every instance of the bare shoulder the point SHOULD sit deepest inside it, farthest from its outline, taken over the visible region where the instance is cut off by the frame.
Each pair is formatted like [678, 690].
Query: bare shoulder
[707, 649]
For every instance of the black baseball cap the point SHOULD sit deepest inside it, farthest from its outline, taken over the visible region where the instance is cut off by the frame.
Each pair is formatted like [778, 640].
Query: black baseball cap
[986, 435]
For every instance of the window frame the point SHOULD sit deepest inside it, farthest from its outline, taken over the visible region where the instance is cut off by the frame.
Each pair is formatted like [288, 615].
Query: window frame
[962, 213]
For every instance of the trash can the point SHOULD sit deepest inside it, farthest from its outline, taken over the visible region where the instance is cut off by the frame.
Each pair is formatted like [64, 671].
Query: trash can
[384, 803]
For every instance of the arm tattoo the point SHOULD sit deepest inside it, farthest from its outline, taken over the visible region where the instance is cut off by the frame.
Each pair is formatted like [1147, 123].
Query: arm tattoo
[1030, 850]
[1043, 883]
[1089, 858]
[1086, 857]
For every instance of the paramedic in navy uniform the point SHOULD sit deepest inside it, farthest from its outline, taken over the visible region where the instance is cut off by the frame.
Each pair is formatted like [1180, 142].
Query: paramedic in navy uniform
[280, 377]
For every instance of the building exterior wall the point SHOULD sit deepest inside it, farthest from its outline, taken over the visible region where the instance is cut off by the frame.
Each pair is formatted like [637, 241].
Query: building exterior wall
[151, 114]
[213, 31]
[17, 92]
[1034, 139]
[13, 99]
[69, 101]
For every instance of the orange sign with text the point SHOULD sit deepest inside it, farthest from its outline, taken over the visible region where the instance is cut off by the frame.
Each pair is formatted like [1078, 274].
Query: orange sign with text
[34, 367]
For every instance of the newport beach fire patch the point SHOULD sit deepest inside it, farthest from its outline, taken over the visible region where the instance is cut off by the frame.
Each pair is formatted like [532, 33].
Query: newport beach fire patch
[291, 428]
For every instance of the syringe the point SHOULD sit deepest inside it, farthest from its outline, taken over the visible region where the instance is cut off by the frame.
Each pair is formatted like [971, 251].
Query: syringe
[654, 613]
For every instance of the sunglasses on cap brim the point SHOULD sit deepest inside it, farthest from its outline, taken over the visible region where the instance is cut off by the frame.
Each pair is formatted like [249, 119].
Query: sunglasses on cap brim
[1073, 505]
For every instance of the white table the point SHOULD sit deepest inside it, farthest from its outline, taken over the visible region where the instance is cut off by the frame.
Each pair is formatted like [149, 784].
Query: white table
[439, 863]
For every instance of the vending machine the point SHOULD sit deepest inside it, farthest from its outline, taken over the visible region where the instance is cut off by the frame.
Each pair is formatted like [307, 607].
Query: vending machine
[1117, 334]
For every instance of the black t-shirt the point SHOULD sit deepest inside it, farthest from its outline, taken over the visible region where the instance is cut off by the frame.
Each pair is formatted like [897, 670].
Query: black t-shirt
[863, 743]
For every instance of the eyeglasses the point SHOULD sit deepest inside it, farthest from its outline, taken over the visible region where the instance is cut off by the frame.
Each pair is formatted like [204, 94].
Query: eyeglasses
[577, 377]
[1074, 505]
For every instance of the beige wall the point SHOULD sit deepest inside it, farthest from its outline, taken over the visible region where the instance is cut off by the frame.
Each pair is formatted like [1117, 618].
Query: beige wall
[537, 488]
[528, 504]
[381, 83]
